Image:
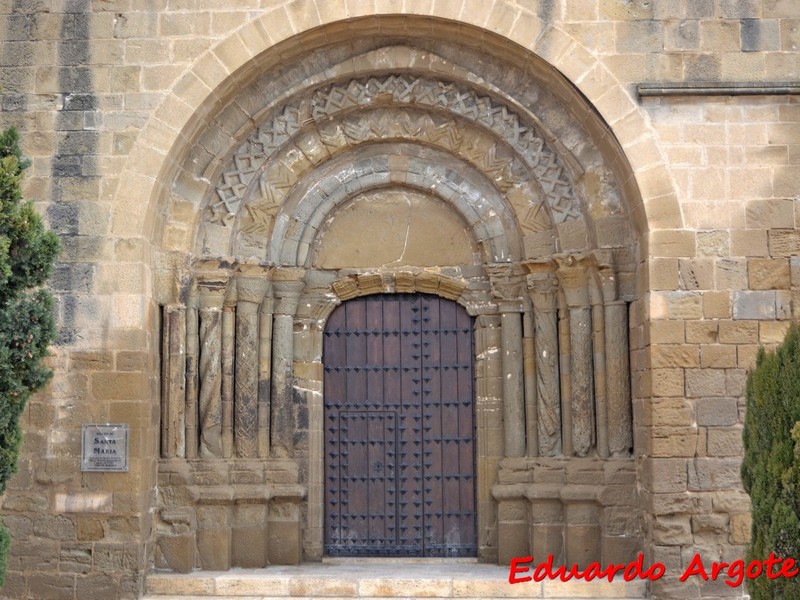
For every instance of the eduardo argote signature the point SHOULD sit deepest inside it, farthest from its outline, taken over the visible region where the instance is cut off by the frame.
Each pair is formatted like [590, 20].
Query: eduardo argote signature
[734, 572]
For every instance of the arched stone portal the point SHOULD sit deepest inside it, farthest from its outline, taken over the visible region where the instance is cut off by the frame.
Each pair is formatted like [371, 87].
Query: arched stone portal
[296, 196]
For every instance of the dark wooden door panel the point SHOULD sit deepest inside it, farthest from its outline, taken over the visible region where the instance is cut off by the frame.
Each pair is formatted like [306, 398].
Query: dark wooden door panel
[399, 428]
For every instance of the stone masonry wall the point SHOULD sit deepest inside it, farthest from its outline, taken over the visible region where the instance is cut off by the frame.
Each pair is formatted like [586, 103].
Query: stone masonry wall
[102, 90]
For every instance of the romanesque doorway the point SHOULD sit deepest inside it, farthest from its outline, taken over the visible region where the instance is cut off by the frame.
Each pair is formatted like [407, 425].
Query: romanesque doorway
[403, 165]
[399, 428]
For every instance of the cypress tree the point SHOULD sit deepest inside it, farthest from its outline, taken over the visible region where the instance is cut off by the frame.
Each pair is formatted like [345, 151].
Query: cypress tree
[27, 254]
[771, 466]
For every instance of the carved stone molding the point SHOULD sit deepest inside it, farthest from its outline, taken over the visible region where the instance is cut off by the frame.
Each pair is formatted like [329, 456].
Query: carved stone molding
[427, 282]
[540, 162]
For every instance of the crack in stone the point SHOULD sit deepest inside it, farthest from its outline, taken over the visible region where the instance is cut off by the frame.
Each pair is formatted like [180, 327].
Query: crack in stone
[408, 234]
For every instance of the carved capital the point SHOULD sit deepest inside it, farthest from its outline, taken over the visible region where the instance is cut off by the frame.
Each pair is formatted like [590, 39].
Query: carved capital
[508, 283]
[573, 276]
[212, 287]
[478, 302]
[543, 290]
[287, 285]
[252, 289]
[608, 283]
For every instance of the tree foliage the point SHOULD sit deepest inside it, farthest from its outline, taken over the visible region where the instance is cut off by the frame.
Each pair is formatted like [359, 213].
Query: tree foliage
[771, 467]
[27, 254]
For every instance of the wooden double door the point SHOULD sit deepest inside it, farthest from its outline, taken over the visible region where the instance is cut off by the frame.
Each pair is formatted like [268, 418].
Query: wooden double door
[399, 428]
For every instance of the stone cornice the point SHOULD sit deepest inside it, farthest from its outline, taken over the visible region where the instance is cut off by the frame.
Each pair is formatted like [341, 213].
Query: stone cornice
[722, 88]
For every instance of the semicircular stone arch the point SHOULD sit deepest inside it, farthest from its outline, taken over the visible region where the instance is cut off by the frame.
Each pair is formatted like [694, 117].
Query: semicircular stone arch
[549, 272]
[506, 147]
[397, 164]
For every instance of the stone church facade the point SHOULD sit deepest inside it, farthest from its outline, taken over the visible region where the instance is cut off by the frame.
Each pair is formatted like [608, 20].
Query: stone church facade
[404, 278]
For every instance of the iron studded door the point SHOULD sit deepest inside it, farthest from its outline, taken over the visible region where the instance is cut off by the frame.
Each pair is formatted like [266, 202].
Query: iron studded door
[399, 428]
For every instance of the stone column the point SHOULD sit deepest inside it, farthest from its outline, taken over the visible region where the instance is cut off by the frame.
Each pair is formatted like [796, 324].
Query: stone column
[250, 291]
[507, 286]
[580, 329]
[192, 375]
[211, 288]
[173, 383]
[576, 293]
[309, 370]
[543, 290]
[264, 372]
[489, 422]
[564, 367]
[228, 342]
[618, 382]
[529, 382]
[599, 353]
[288, 284]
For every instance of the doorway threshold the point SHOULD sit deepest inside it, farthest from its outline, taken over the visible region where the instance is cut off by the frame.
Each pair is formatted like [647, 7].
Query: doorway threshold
[398, 560]
[365, 580]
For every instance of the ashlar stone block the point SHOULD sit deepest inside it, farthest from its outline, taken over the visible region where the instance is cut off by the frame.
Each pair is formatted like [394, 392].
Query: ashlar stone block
[705, 382]
[709, 474]
[768, 274]
[672, 530]
[754, 305]
[717, 411]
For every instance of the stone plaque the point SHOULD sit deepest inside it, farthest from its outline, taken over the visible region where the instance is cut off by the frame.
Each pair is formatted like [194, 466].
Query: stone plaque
[104, 447]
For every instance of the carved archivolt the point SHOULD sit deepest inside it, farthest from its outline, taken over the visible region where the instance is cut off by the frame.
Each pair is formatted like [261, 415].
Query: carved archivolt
[488, 135]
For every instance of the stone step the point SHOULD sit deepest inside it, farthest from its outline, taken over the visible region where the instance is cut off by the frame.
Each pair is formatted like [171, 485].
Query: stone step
[369, 580]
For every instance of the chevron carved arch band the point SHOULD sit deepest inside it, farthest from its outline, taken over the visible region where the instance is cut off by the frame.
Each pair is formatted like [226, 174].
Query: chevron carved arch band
[495, 141]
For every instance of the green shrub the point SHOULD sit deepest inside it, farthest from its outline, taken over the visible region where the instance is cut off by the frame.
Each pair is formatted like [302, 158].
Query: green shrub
[27, 254]
[771, 467]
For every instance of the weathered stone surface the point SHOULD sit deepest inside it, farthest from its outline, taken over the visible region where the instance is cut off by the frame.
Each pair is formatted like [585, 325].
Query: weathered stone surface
[713, 474]
[672, 530]
[51, 586]
[741, 526]
[754, 305]
[666, 474]
[178, 551]
[717, 411]
[581, 377]
[245, 409]
[403, 227]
